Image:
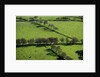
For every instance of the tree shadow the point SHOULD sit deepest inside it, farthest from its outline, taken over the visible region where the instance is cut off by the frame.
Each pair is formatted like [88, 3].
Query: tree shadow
[39, 26]
[60, 58]
[45, 45]
[50, 52]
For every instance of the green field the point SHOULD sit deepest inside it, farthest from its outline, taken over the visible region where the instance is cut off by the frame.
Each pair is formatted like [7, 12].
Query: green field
[28, 31]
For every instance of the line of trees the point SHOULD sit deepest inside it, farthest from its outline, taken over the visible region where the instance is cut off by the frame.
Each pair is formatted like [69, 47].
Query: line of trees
[37, 20]
[72, 41]
[38, 41]
[58, 51]
[70, 18]
[49, 40]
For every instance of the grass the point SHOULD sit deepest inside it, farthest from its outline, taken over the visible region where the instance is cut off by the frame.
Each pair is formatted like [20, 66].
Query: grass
[41, 53]
[70, 50]
[34, 53]
[69, 28]
[27, 30]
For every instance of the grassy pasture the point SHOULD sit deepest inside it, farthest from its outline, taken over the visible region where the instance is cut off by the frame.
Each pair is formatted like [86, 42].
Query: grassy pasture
[27, 30]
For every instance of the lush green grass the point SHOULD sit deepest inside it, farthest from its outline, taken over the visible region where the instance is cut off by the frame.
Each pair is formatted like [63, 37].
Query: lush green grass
[71, 49]
[41, 53]
[36, 53]
[27, 30]
[69, 28]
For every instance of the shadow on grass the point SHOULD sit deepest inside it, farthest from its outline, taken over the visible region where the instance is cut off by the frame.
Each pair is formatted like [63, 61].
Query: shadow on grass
[60, 58]
[36, 45]
[45, 45]
[52, 53]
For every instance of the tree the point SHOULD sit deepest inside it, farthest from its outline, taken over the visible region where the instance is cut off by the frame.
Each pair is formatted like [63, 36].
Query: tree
[58, 18]
[67, 41]
[45, 22]
[80, 54]
[52, 46]
[35, 17]
[74, 40]
[42, 41]
[63, 55]
[51, 25]
[55, 28]
[82, 41]
[38, 41]
[45, 41]
[53, 40]
[62, 39]
[18, 42]
[31, 19]
[41, 21]
[31, 41]
[68, 58]
[23, 41]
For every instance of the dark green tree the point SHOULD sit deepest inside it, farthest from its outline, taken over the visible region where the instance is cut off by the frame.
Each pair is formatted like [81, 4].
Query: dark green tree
[23, 41]
[31, 41]
[82, 41]
[62, 40]
[45, 22]
[74, 40]
[67, 41]
[18, 42]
